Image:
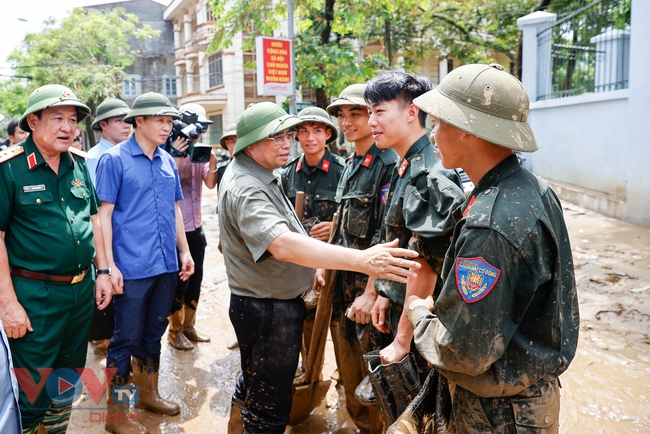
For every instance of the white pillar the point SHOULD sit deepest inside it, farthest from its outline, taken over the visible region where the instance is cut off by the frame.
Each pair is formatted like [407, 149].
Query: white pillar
[189, 77]
[442, 69]
[187, 24]
[177, 35]
[536, 57]
[612, 60]
[179, 81]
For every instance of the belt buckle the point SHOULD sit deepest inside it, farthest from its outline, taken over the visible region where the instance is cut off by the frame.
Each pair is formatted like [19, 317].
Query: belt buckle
[78, 278]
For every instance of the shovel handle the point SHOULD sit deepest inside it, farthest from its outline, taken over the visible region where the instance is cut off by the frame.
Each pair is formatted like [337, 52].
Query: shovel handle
[300, 204]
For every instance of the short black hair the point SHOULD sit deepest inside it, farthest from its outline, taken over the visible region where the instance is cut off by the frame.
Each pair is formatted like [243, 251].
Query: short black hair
[400, 86]
[11, 127]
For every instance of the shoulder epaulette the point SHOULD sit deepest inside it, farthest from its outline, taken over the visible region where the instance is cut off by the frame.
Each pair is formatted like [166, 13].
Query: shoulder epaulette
[10, 153]
[77, 152]
[480, 212]
[338, 159]
[388, 156]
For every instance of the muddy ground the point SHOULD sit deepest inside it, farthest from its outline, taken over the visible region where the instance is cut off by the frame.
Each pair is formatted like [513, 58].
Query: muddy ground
[605, 390]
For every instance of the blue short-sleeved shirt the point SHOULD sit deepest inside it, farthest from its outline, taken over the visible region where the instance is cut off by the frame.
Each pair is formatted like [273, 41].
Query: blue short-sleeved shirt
[144, 193]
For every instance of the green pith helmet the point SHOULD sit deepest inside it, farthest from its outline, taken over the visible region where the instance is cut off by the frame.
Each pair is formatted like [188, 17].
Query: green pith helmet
[351, 95]
[109, 108]
[261, 121]
[52, 95]
[230, 132]
[317, 114]
[151, 104]
[484, 101]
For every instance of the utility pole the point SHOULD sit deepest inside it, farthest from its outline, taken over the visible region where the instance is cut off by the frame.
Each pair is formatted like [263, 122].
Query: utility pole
[292, 98]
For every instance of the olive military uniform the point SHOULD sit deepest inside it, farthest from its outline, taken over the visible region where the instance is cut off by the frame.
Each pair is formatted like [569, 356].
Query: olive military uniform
[318, 183]
[361, 194]
[46, 220]
[419, 212]
[506, 322]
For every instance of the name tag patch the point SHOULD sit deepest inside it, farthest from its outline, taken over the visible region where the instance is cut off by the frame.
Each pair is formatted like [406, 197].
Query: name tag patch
[475, 278]
[31, 188]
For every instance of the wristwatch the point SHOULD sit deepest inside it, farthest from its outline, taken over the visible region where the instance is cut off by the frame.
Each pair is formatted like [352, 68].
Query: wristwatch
[104, 271]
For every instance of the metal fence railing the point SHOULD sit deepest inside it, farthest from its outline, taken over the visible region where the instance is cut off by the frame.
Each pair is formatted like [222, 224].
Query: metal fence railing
[585, 50]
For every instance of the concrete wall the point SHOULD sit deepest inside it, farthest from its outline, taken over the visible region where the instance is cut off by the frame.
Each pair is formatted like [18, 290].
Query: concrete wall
[594, 148]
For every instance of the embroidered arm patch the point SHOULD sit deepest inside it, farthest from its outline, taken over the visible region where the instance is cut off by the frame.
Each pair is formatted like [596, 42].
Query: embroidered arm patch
[383, 193]
[475, 278]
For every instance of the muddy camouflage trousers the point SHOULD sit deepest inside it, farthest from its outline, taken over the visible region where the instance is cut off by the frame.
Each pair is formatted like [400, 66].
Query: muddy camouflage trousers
[536, 413]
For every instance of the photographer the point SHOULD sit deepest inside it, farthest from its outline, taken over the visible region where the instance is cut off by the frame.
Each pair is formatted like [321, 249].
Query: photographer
[183, 310]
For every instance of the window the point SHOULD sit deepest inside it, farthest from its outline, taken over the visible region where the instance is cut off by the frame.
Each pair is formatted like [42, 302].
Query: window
[216, 129]
[170, 86]
[215, 66]
[209, 15]
[129, 87]
[250, 83]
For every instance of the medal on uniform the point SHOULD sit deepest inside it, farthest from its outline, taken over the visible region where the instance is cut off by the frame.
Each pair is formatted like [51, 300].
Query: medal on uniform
[78, 183]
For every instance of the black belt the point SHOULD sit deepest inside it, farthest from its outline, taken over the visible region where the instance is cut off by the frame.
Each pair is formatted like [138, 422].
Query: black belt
[22, 272]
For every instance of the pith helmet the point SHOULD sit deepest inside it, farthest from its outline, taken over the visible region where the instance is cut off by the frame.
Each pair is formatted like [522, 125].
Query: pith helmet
[196, 109]
[317, 114]
[109, 108]
[151, 104]
[231, 131]
[351, 95]
[52, 95]
[261, 121]
[484, 101]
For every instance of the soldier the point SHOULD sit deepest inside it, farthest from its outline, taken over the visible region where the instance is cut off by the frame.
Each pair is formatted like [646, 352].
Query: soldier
[269, 261]
[109, 120]
[227, 141]
[139, 186]
[419, 209]
[505, 325]
[361, 195]
[50, 233]
[182, 332]
[316, 172]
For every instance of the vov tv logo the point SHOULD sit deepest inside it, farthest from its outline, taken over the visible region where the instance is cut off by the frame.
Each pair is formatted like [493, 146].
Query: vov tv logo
[65, 386]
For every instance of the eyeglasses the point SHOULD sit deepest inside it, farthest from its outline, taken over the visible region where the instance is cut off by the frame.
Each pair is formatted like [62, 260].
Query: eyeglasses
[279, 139]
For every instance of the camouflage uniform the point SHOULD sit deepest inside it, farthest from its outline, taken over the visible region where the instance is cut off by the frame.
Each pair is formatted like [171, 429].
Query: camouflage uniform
[361, 194]
[419, 212]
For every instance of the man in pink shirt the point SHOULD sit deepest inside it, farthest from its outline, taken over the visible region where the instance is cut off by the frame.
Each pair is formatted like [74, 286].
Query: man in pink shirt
[193, 175]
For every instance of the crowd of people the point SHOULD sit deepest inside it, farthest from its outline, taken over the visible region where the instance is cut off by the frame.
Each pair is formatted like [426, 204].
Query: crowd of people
[450, 311]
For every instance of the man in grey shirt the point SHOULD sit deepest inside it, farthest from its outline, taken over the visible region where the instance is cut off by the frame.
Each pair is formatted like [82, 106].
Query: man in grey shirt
[270, 262]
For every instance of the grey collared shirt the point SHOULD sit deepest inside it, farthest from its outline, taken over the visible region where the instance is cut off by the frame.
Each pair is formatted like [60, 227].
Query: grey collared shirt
[253, 211]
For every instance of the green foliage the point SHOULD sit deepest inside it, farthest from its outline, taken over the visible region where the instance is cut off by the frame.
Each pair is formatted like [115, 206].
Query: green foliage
[86, 51]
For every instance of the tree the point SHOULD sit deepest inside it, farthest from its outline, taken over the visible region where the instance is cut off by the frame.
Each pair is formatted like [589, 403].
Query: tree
[86, 51]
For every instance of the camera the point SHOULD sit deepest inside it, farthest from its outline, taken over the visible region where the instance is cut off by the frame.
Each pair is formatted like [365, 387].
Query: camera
[189, 127]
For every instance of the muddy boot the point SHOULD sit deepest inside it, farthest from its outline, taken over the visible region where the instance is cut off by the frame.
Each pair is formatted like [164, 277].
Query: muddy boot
[188, 326]
[395, 384]
[145, 377]
[120, 419]
[365, 393]
[175, 335]
[236, 423]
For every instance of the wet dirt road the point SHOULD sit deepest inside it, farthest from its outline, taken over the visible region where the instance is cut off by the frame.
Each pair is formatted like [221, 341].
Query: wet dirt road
[605, 390]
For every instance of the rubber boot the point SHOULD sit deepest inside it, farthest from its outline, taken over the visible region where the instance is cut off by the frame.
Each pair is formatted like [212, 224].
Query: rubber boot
[120, 419]
[236, 423]
[395, 384]
[145, 377]
[188, 326]
[175, 335]
[365, 393]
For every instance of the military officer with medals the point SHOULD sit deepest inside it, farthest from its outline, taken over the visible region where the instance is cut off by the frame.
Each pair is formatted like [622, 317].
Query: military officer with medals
[49, 236]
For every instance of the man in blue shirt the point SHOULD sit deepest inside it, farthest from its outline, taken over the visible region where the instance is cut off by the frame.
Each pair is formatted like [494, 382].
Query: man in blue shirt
[109, 120]
[139, 187]
[9, 411]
